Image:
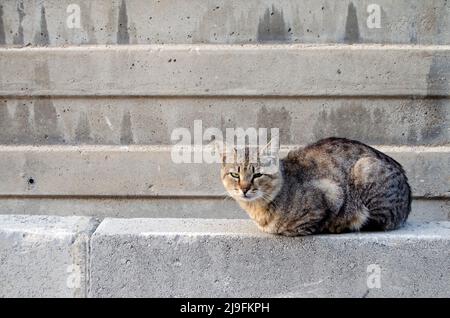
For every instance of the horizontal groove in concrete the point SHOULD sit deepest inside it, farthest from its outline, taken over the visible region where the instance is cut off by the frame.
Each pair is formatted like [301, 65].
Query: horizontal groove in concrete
[96, 171]
[231, 258]
[205, 70]
[44, 256]
[150, 121]
[171, 207]
[284, 149]
[224, 21]
[235, 47]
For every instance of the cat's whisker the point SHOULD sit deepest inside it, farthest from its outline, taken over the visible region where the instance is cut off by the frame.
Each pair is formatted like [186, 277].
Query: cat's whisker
[226, 196]
[268, 199]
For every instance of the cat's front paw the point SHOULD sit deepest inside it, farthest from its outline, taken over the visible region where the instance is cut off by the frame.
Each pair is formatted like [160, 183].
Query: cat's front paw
[271, 229]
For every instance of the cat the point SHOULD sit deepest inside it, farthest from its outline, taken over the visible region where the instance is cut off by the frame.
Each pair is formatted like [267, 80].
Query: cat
[335, 185]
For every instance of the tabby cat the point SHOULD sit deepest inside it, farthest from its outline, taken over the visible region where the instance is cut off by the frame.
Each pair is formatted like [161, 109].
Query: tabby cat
[332, 186]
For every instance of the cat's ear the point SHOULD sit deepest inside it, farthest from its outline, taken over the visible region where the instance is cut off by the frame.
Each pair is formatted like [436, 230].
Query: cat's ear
[272, 148]
[224, 151]
[269, 157]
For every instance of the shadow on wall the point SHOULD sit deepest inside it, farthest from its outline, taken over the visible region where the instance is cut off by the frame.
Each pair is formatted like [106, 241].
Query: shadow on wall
[272, 27]
[123, 37]
[351, 26]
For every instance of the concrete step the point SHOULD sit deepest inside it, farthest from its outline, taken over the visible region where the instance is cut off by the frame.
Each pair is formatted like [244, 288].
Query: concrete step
[54, 22]
[151, 120]
[431, 209]
[50, 256]
[227, 70]
[44, 256]
[143, 181]
[231, 258]
[149, 171]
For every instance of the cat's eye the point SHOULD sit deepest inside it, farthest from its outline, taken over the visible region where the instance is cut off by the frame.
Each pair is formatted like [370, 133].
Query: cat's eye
[234, 175]
[257, 175]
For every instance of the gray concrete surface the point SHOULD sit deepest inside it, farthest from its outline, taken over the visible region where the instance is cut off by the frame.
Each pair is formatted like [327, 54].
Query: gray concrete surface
[147, 207]
[171, 207]
[231, 258]
[115, 121]
[44, 256]
[312, 68]
[48, 256]
[150, 171]
[227, 70]
[223, 21]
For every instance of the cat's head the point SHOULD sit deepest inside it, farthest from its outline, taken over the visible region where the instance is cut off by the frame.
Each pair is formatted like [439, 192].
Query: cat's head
[249, 180]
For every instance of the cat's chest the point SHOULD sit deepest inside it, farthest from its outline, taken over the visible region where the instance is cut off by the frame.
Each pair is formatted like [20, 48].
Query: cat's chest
[266, 219]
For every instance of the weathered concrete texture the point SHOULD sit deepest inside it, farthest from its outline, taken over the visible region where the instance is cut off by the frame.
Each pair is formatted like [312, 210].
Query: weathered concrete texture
[44, 256]
[430, 210]
[134, 120]
[171, 207]
[149, 207]
[151, 171]
[223, 21]
[231, 70]
[231, 258]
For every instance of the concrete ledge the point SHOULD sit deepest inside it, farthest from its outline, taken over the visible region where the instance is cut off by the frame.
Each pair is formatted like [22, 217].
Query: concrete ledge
[149, 171]
[224, 21]
[227, 70]
[47, 256]
[171, 207]
[231, 258]
[44, 256]
[150, 121]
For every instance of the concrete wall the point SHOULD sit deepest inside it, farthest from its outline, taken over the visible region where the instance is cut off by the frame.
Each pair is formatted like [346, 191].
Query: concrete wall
[151, 120]
[104, 139]
[223, 21]
[150, 171]
[171, 207]
[142, 181]
[86, 114]
[231, 70]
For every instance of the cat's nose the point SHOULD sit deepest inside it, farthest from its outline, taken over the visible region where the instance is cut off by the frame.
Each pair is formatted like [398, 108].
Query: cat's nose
[245, 190]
